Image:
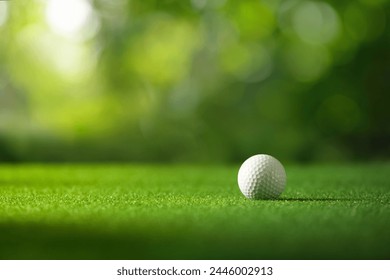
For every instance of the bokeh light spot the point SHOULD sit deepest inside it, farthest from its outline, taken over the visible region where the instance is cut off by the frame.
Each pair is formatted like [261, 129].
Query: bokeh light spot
[254, 19]
[71, 18]
[73, 65]
[355, 23]
[251, 63]
[162, 54]
[307, 62]
[3, 12]
[202, 4]
[316, 22]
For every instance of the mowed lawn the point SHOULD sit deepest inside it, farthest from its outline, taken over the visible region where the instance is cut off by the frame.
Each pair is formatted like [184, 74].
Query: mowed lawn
[57, 211]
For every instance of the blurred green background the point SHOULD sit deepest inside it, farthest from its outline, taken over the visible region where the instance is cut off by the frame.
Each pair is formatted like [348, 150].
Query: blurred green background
[194, 80]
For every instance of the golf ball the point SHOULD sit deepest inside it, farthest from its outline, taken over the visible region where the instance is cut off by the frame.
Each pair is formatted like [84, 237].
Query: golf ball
[262, 177]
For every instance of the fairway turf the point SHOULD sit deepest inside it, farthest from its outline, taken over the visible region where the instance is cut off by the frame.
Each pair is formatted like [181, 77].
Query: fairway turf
[191, 212]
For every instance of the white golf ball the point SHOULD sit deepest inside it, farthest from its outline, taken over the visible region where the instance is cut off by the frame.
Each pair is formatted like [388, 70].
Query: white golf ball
[262, 177]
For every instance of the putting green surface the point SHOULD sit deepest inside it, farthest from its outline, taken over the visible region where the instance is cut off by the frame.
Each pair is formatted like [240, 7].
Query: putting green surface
[191, 212]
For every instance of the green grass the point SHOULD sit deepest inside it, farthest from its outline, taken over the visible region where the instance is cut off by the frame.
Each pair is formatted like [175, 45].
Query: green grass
[191, 212]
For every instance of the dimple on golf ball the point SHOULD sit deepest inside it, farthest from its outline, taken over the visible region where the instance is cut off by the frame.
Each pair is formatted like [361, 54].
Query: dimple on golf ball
[262, 177]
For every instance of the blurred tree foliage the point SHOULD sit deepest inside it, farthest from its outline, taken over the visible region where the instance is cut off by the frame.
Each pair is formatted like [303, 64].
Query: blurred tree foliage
[194, 80]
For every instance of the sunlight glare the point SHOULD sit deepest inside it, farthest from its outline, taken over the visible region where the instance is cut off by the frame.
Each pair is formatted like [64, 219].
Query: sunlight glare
[69, 18]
